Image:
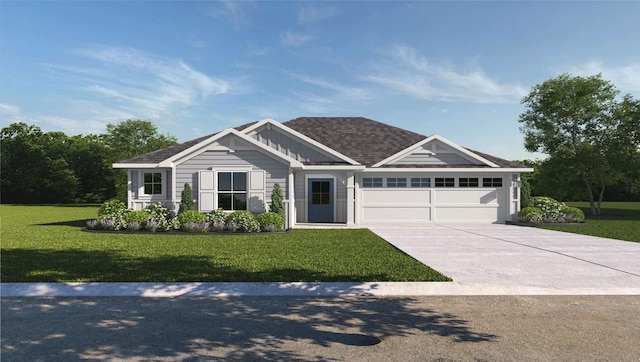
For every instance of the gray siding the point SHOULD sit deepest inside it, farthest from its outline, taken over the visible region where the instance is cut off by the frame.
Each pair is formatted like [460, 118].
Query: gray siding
[437, 159]
[291, 147]
[275, 171]
[135, 184]
[435, 153]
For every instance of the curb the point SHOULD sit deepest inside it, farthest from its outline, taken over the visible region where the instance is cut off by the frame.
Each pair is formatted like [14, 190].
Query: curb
[293, 289]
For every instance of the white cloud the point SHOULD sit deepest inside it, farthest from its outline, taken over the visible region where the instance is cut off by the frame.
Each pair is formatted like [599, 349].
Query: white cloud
[402, 69]
[295, 39]
[309, 13]
[9, 110]
[625, 77]
[341, 91]
[142, 83]
[232, 11]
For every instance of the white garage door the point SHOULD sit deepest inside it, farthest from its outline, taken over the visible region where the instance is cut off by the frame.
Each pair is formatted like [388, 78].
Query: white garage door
[430, 204]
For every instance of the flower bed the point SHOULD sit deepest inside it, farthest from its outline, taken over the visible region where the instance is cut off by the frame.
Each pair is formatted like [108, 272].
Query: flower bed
[113, 216]
[547, 211]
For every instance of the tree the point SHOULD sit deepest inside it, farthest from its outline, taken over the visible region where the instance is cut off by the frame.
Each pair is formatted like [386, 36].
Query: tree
[131, 138]
[573, 120]
[186, 199]
[34, 168]
[277, 203]
[135, 137]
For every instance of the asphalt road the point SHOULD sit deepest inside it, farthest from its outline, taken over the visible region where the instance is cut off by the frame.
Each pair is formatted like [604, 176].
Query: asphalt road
[471, 328]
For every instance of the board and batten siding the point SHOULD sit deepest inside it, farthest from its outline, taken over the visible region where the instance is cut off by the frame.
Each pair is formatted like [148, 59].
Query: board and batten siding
[290, 147]
[430, 159]
[275, 171]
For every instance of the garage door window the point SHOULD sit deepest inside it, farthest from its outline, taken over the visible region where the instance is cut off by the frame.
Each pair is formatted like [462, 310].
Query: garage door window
[468, 182]
[445, 182]
[372, 182]
[492, 182]
[396, 182]
[420, 182]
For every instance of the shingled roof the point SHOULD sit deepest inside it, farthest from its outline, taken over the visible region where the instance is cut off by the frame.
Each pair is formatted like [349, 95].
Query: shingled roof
[165, 153]
[364, 140]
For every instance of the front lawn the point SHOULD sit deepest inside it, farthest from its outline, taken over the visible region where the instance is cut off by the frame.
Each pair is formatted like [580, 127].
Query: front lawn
[619, 220]
[47, 244]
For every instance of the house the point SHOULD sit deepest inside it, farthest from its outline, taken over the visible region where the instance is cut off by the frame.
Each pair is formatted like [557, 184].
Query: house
[349, 170]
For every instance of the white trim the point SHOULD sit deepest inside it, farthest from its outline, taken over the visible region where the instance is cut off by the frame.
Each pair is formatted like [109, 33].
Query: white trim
[410, 149]
[231, 169]
[445, 170]
[202, 147]
[301, 137]
[163, 182]
[134, 165]
[333, 167]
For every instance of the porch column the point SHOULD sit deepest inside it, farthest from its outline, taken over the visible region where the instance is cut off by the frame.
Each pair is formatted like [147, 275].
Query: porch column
[292, 201]
[350, 198]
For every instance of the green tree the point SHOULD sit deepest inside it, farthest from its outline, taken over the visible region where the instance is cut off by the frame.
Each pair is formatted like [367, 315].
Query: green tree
[186, 199]
[277, 203]
[573, 120]
[131, 138]
[34, 168]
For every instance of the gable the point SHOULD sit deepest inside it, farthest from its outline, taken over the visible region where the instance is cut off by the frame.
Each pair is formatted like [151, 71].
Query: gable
[230, 142]
[292, 146]
[435, 153]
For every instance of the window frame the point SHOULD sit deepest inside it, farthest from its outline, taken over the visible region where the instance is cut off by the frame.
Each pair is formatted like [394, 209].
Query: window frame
[154, 183]
[232, 192]
[419, 182]
[374, 182]
[492, 182]
[470, 182]
[396, 182]
[445, 182]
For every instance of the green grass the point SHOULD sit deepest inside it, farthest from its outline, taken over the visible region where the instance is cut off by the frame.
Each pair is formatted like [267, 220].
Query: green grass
[619, 220]
[47, 244]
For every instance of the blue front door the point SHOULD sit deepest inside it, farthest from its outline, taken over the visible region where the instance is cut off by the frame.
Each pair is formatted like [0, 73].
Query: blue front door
[320, 200]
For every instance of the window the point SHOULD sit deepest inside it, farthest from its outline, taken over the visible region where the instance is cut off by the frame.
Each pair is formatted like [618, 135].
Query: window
[320, 193]
[492, 182]
[232, 190]
[152, 183]
[420, 182]
[445, 182]
[396, 182]
[468, 182]
[372, 182]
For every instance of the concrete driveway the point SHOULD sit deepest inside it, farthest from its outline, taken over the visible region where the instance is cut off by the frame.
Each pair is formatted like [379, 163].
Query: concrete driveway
[508, 257]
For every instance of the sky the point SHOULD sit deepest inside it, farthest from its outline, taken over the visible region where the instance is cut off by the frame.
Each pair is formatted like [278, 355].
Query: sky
[457, 69]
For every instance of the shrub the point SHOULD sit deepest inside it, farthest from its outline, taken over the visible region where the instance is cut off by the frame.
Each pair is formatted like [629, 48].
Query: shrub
[160, 214]
[216, 216]
[552, 210]
[270, 221]
[190, 216]
[137, 215]
[244, 220]
[277, 204]
[110, 224]
[572, 214]
[112, 208]
[530, 214]
[93, 224]
[186, 199]
[151, 225]
[197, 227]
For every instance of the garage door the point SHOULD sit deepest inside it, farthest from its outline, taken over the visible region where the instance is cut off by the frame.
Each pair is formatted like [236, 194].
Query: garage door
[436, 205]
